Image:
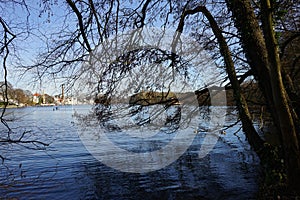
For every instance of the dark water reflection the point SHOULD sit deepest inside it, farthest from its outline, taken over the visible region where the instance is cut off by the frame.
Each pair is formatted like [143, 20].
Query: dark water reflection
[67, 171]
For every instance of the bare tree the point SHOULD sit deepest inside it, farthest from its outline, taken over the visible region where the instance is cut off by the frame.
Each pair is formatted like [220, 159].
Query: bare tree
[239, 34]
[7, 52]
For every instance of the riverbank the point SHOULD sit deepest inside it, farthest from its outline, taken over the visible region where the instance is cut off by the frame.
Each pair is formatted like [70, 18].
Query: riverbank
[40, 105]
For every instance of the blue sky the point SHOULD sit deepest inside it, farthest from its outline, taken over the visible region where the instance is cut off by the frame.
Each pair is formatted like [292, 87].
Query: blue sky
[27, 45]
[41, 25]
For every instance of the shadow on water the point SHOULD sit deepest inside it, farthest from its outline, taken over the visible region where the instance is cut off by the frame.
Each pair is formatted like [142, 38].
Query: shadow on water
[230, 171]
[67, 171]
[220, 175]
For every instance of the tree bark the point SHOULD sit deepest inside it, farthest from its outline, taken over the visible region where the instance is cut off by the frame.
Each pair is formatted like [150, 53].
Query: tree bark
[284, 112]
[254, 46]
[262, 53]
[251, 134]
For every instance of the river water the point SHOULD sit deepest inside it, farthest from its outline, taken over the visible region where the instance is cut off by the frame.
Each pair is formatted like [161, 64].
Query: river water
[67, 170]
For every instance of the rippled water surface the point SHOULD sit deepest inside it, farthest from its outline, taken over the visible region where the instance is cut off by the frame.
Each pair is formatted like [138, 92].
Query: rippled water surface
[66, 170]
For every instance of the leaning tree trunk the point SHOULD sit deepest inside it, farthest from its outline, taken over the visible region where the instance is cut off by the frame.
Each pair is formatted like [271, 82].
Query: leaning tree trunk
[251, 134]
[262, 55]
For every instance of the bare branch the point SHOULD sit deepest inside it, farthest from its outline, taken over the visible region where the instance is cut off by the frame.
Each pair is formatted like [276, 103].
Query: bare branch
[80, 21]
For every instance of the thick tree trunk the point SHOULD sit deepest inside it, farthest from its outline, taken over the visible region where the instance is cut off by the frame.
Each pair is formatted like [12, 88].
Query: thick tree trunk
[261, 52]
[254, 47]
[284, 112]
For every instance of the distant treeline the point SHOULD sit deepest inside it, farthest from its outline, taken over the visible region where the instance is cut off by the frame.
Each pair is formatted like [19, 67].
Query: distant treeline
[200, 97]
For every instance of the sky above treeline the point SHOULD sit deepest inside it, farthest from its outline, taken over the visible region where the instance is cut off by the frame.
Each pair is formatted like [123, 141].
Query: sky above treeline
[32, 29]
